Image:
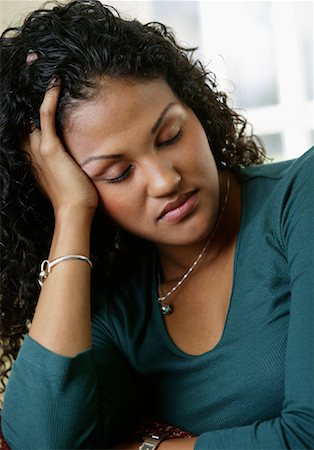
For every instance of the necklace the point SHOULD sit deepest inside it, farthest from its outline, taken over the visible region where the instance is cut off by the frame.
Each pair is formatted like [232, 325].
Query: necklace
[167, 309]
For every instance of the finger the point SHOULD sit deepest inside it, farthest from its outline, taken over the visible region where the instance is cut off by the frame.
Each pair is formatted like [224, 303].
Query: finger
[31, 145]
[31, 142]
[48, 111]
[34, 140]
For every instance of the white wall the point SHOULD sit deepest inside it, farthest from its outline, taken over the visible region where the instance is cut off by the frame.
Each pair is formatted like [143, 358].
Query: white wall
[261, 51]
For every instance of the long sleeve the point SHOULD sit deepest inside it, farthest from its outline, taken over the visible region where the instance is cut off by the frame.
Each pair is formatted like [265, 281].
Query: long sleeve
[43, 405]
[56, 402]
[267, 347]
[294, 428]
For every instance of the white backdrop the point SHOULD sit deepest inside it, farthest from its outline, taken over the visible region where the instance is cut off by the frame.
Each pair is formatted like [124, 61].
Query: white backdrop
[261, 52]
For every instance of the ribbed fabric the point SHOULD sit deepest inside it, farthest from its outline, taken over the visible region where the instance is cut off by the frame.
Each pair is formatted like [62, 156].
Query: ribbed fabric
[254, 390]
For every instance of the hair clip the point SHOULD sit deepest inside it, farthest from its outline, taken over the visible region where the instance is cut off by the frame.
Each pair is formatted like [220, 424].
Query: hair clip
[31, 57]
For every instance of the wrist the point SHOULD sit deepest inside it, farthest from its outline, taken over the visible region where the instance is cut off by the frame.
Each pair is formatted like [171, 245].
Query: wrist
[73, 213]
[71, 234]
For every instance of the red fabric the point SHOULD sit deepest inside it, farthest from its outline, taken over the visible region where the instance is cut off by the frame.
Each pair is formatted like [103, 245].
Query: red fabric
[150, 426]
[3, 444]
[147, 427]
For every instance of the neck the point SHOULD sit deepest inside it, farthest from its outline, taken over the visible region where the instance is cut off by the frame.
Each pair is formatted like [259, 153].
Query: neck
[176, 260]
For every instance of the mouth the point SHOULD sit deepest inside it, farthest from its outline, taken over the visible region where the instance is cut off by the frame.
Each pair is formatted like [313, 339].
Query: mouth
[179, 208]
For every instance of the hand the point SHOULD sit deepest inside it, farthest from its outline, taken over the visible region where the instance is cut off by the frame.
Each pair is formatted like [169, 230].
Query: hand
[59, 176]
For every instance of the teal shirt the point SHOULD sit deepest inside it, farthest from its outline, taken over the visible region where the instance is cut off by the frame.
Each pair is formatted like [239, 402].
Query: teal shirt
[253, 390]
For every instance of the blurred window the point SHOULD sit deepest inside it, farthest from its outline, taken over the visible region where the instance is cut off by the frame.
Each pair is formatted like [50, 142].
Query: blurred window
[273, 143]
[261, 53]
[304, 11]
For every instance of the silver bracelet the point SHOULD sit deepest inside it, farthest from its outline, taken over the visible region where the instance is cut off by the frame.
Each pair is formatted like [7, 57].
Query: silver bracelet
[46, 265]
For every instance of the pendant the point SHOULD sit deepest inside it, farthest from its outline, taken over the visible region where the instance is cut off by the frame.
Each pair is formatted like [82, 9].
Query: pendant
[166, 309]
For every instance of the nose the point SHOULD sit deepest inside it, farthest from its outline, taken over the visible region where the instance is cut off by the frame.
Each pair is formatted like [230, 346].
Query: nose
[162, 177]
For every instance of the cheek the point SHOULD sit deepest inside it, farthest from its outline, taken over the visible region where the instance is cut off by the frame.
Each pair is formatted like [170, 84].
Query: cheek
[118, 203]
[199, 156]
[112, 204]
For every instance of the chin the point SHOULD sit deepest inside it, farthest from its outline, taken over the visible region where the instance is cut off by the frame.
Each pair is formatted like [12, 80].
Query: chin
[185, 237]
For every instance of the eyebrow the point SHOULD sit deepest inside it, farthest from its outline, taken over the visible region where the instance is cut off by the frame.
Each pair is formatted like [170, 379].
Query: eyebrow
[152, 131]
[161, 117]
[97, 158]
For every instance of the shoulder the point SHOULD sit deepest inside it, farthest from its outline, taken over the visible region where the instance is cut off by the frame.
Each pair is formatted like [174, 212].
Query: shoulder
[280, 170]
[273, 194]
[281, 179]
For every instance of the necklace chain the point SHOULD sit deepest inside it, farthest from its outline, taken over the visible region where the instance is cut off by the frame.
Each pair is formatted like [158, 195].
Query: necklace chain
[167, 308]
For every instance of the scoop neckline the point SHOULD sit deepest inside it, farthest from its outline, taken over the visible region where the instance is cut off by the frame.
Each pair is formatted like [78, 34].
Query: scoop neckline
[168, 341]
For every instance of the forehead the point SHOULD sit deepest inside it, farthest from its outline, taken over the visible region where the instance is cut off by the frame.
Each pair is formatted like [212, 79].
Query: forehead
[120, 101]
[117, 119]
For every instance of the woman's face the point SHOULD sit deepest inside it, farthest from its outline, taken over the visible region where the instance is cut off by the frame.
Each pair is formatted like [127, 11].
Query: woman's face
[148, 156]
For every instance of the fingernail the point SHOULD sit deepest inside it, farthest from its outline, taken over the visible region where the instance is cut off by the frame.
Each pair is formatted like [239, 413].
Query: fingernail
[55, 81]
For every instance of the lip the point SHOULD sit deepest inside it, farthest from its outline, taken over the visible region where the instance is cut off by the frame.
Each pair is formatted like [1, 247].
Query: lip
[179, 208]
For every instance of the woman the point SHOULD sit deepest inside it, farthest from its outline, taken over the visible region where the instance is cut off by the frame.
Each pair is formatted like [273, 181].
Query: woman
[198, 311]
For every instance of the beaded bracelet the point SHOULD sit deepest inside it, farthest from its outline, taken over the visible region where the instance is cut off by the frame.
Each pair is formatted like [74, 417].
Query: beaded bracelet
[46, 265]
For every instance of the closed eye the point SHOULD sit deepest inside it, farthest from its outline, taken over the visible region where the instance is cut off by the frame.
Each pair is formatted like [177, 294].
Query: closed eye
[171, 140]
[121, 177]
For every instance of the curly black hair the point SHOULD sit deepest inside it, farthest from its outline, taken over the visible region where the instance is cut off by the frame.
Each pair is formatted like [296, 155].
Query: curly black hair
[81, 42]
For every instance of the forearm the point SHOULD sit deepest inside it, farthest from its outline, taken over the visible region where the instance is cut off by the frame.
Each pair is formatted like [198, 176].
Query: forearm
[178, 444]
[62, 321]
